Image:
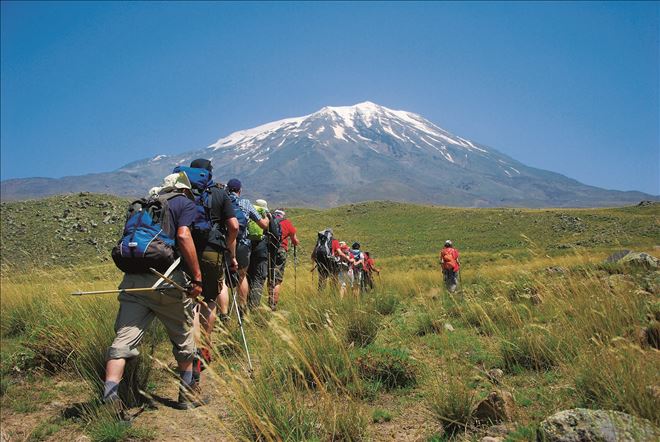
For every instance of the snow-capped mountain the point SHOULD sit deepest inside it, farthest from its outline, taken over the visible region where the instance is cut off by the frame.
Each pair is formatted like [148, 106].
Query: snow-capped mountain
[355, 153]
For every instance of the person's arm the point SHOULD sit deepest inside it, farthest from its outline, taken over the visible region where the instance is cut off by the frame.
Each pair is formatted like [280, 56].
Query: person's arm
[294, 239]
[189, 255]
[232, 233]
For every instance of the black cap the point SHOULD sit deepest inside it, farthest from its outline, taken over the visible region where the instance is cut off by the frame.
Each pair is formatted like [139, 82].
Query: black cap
[356, 245]
[202, 163]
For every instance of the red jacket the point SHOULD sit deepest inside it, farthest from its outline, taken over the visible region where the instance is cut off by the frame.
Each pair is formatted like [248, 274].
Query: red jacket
[449, 256]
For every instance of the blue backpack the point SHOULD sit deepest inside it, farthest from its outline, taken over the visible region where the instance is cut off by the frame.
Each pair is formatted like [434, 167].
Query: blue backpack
[202, 182]
[146, 241]
[241, 217]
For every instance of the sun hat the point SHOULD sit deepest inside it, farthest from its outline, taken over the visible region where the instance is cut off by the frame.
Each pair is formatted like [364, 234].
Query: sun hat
[176, 181]
[261, 203]
[448, 243]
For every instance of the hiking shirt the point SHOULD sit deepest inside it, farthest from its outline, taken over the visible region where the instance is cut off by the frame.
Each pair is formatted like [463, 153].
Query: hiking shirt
[221, 210]
[357, 257]
[250, 212]
[183, 213]
[449, 259]
[287, 232]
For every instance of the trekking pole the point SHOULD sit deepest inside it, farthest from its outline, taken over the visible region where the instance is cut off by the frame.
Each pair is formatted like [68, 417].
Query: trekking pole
[102, 292]
[295, 271]
[179, 287]
[240, 320]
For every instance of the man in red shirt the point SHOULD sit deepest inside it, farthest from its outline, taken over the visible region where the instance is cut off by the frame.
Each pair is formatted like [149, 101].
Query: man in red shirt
[450, 265]
[369, 267]
[278, 261]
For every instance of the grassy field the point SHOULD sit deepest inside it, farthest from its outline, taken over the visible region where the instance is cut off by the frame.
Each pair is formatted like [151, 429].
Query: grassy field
[406, 362]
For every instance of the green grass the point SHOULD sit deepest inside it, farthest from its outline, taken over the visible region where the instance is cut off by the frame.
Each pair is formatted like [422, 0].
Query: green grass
[325, 365]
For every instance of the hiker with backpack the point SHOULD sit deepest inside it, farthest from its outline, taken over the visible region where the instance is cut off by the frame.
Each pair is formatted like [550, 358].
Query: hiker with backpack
[278, 255]
[258, 270]
[356, 268]
[214, 233]
[450, 265]
[369, 268]
[157, 229]
[331, 258]
[244, 211]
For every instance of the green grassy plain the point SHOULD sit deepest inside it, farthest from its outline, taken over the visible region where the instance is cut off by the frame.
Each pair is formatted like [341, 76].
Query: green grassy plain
[406, 362]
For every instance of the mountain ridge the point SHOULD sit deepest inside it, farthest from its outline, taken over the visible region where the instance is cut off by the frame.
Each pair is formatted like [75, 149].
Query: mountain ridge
[346, 154]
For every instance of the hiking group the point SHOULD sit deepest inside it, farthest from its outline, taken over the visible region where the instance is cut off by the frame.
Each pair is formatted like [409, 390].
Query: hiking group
[343, 266]
[184, 249]
[189, 245]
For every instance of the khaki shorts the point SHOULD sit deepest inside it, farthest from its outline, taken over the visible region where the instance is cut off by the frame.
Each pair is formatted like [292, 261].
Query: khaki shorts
[138, 309]
[277, 263]
[211, 264]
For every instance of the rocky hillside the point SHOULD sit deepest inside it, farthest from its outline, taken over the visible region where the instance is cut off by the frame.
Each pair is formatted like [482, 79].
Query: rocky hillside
[61, 230]
[83, 227]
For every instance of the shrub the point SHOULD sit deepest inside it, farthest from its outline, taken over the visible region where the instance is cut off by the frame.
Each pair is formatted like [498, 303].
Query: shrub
[452, 404]
[361, 327]
[534, 348]
[318, 361]
[625, 385]
[379, 415]
[427, 323]
[385, 303]
[389, 367]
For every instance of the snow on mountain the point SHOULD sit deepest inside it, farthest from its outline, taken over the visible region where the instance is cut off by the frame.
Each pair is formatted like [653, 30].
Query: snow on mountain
[347, 154]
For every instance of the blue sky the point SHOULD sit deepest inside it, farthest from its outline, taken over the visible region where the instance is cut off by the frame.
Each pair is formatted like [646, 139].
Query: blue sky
[568, 87]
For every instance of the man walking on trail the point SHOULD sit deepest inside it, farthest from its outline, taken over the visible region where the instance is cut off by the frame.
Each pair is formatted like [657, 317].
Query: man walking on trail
[220, 245]
[171, 307]
[243, 245]
[343, 253]
[278, 260]
[450, 265]
[355, 270]
[258, 269]
[369, 268]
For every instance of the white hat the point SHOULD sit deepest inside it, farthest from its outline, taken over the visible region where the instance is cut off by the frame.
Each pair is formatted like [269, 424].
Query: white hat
[448, 243]
[176, 181]
[261, 203]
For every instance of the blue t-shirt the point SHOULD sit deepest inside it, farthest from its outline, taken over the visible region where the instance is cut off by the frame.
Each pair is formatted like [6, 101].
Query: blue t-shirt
[182, 213]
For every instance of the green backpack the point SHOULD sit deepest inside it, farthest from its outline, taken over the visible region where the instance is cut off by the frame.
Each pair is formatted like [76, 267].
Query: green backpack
[256, 233]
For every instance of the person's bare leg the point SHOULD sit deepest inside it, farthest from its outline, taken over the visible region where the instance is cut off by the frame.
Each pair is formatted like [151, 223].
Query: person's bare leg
[223, 300]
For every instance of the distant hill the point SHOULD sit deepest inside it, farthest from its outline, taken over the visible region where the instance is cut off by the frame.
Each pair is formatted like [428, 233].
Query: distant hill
[82, 228]
[342, 155]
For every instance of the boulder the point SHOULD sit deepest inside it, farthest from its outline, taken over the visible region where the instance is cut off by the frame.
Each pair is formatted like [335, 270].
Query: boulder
[635, 258]
[497, 407]
[584, 425]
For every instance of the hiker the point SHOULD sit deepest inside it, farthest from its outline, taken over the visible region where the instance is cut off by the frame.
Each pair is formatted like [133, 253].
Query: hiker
[244, 211]
[450, 265]
[356, 268]
[171, 307]
[345, 259]
[369, 268]
[278, 258]
[325, 258]
[258, 269]
[214, 245]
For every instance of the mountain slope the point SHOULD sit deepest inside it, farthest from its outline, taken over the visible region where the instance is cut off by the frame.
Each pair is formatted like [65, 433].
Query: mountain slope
[348, 154]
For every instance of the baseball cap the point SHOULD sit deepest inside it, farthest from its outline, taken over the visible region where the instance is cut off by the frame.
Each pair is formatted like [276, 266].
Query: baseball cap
[233, 185]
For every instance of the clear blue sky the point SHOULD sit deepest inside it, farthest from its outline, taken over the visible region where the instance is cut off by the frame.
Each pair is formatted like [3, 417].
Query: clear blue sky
[568, 87]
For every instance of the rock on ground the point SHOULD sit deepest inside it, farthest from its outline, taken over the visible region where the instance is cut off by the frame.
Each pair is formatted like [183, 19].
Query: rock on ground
[497, 407]
[583, 425]
[635, 258]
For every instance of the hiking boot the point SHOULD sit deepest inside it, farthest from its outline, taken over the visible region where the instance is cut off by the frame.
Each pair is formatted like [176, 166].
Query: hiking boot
[190, 398]
[224, 319]
[116, 408]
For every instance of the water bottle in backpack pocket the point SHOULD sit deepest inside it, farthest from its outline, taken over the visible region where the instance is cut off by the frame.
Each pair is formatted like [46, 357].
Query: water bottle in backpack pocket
[146, 240]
